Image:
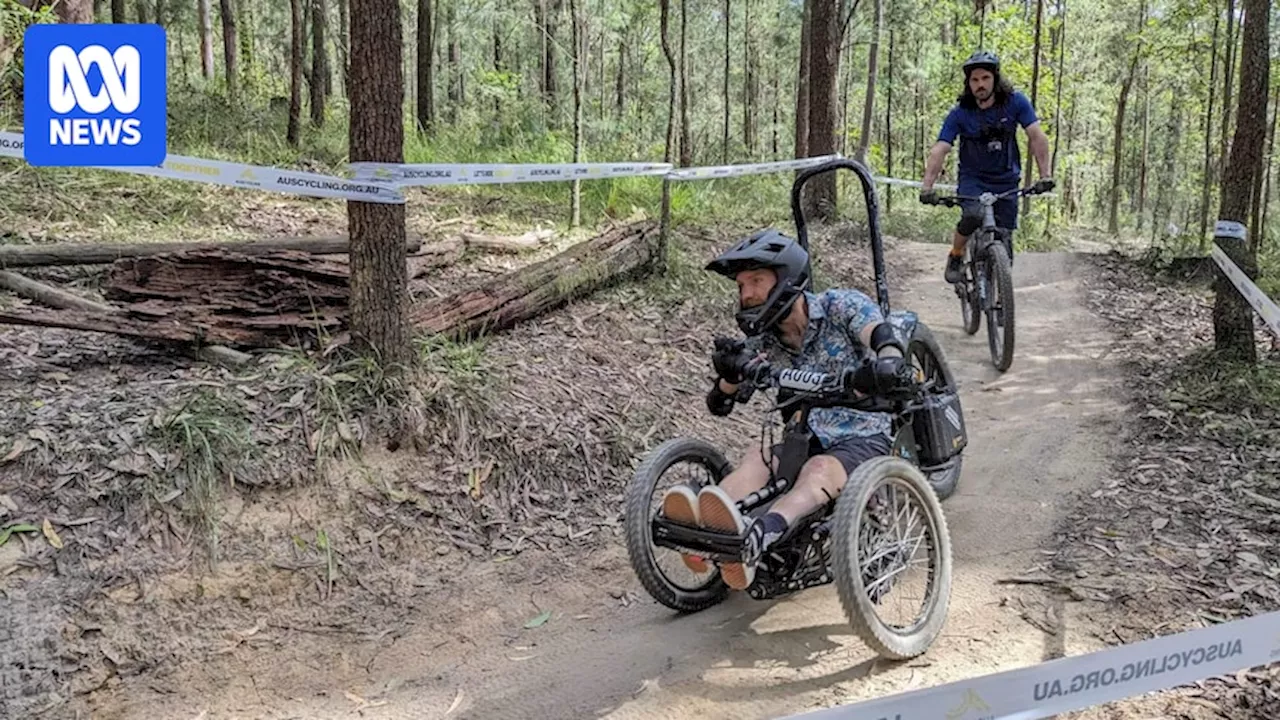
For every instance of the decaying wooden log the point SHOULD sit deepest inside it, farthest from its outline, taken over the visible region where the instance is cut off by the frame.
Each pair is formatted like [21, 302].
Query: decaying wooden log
[619, 253]
[228, 298]
[99, 254]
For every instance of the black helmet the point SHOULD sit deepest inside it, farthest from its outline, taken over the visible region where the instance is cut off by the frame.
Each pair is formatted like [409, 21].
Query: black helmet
[767, 249]
[982, 59]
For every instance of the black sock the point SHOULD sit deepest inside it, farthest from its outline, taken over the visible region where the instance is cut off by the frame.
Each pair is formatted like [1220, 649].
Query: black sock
[774, 524]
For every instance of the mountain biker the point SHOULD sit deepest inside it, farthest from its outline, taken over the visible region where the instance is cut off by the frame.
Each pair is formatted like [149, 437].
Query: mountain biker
[985, 118]
[791, 327]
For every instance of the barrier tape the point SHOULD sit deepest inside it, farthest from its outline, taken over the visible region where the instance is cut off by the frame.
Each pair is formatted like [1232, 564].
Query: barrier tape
[232, 174]
[719, 171]
[1265, 307]
[420, 174]
[1074, 683]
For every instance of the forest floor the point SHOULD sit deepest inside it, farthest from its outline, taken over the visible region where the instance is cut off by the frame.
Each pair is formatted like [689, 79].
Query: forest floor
[479, 572]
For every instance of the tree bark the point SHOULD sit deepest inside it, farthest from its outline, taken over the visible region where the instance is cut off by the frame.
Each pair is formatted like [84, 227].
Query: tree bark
[229, 47]
[1035, 88]
[344, 45]
[206, 35]
[1117, 144]
[319, 62]
[1232, 315]
[802, 82]
[824, 64]
[576, 28]
[118, 12]
[379, 277]
[724, 142]
[620, 253]
[1207, 180]
[295, 74]
[74, 12]
[864, 141]
[686, 132]
[426, 78]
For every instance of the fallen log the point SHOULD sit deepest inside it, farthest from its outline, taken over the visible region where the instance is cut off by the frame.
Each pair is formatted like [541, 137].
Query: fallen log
[101, 254]
[620, 253]
[531, 240]
[225, 298]
[49, 295]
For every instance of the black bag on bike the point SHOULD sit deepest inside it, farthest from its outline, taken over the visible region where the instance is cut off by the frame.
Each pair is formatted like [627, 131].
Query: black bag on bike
[939, 428]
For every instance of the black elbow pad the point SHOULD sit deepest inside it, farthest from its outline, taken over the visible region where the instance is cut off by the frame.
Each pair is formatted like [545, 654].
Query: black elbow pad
[884, 336]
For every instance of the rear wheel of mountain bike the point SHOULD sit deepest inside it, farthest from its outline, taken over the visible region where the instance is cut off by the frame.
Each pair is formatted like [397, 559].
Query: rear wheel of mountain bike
[930, 363]
[967, 291]
[661, 570]
[874, 563]
[1000, 325]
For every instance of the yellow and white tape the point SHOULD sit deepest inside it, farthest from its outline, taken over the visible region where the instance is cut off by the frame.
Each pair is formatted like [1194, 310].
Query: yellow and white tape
[422, 174]
[719, 171]
[232, 174]
[1073, 683]
[1265, 307]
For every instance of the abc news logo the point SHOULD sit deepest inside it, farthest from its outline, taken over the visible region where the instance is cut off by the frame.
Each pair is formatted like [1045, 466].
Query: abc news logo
[69, 89]
[95, 95]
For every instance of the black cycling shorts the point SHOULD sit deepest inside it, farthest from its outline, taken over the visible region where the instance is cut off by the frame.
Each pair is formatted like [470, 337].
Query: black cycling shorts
[853, 451]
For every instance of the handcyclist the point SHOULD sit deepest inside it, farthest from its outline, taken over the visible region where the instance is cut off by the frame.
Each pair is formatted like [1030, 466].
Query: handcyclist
[792, 327]
[985, 118]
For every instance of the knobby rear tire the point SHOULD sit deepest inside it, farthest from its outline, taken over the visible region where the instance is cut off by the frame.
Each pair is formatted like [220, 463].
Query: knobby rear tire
[1002, 279]
[638, 528]
[944, 482]
[849, 516]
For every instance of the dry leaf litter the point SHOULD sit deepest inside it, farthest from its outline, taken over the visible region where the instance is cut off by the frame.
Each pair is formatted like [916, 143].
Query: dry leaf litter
[531, 451]
[1183, 534]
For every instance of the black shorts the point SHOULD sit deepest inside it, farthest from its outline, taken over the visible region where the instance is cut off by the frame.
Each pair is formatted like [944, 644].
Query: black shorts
[853, 451]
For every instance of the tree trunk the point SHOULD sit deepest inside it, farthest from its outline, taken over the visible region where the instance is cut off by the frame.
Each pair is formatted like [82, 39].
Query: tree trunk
[426, 79]
[1260, 232]
[724, 142]
[686, 131]
[888, 126]
[824, 64]
[1117, 144]
[118, 12]
[74, 12]
[802, 82]
[229, 47]
[576, 25]
[747, 76]
[1232, 315]
[1142, 161]
[549, 52]
[344, 45]
[295, 75]
[319, 62]
[142, 11]
[244, 20]
[1228, 85]
[664, 10]
[777, 102]
[1035, 88]
[619, 254]
[206, 36]
[864, 141]
[1207, 181]
[1059, 81]
[379, 279]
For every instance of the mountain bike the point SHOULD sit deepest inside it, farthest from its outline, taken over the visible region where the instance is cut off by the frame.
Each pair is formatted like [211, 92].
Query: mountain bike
[850, 541]
[988, 271]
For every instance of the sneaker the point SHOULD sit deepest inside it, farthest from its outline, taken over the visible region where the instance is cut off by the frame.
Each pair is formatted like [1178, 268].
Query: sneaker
[760, 537]
[719, 512]
[681, 505]
[955, 269]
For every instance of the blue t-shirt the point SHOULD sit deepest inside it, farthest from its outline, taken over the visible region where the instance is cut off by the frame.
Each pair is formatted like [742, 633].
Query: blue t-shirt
[989, 157]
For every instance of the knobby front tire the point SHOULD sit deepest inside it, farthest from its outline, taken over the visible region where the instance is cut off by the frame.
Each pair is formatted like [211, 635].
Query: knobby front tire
[1000, 280]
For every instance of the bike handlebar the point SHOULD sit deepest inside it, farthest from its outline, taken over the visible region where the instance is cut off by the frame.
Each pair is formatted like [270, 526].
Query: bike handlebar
[987, 198]
[819, 389]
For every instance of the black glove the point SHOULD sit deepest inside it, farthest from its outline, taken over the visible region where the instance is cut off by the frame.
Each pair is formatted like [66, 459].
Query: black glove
[882, 376]
[727, 359]
[1043, 185]
[929, 197]
[719, 402]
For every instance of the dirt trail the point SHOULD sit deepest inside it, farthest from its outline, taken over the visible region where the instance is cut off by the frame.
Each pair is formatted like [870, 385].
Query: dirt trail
[1038, 434]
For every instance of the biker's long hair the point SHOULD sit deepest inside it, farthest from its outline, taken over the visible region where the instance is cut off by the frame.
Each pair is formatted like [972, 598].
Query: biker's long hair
[1003, 91]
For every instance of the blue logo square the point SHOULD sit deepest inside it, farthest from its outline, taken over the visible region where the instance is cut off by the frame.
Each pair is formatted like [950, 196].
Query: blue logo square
[95, 95]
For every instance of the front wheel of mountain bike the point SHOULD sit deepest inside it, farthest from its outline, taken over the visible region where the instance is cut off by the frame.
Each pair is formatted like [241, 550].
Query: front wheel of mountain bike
[1000, 326]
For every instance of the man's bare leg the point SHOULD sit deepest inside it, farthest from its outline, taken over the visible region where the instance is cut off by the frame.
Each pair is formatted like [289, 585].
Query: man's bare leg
[717, 511]
[820, 481]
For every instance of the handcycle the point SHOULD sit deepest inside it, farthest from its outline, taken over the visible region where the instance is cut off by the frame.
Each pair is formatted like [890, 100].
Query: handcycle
[985, 268]
[844, 541]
